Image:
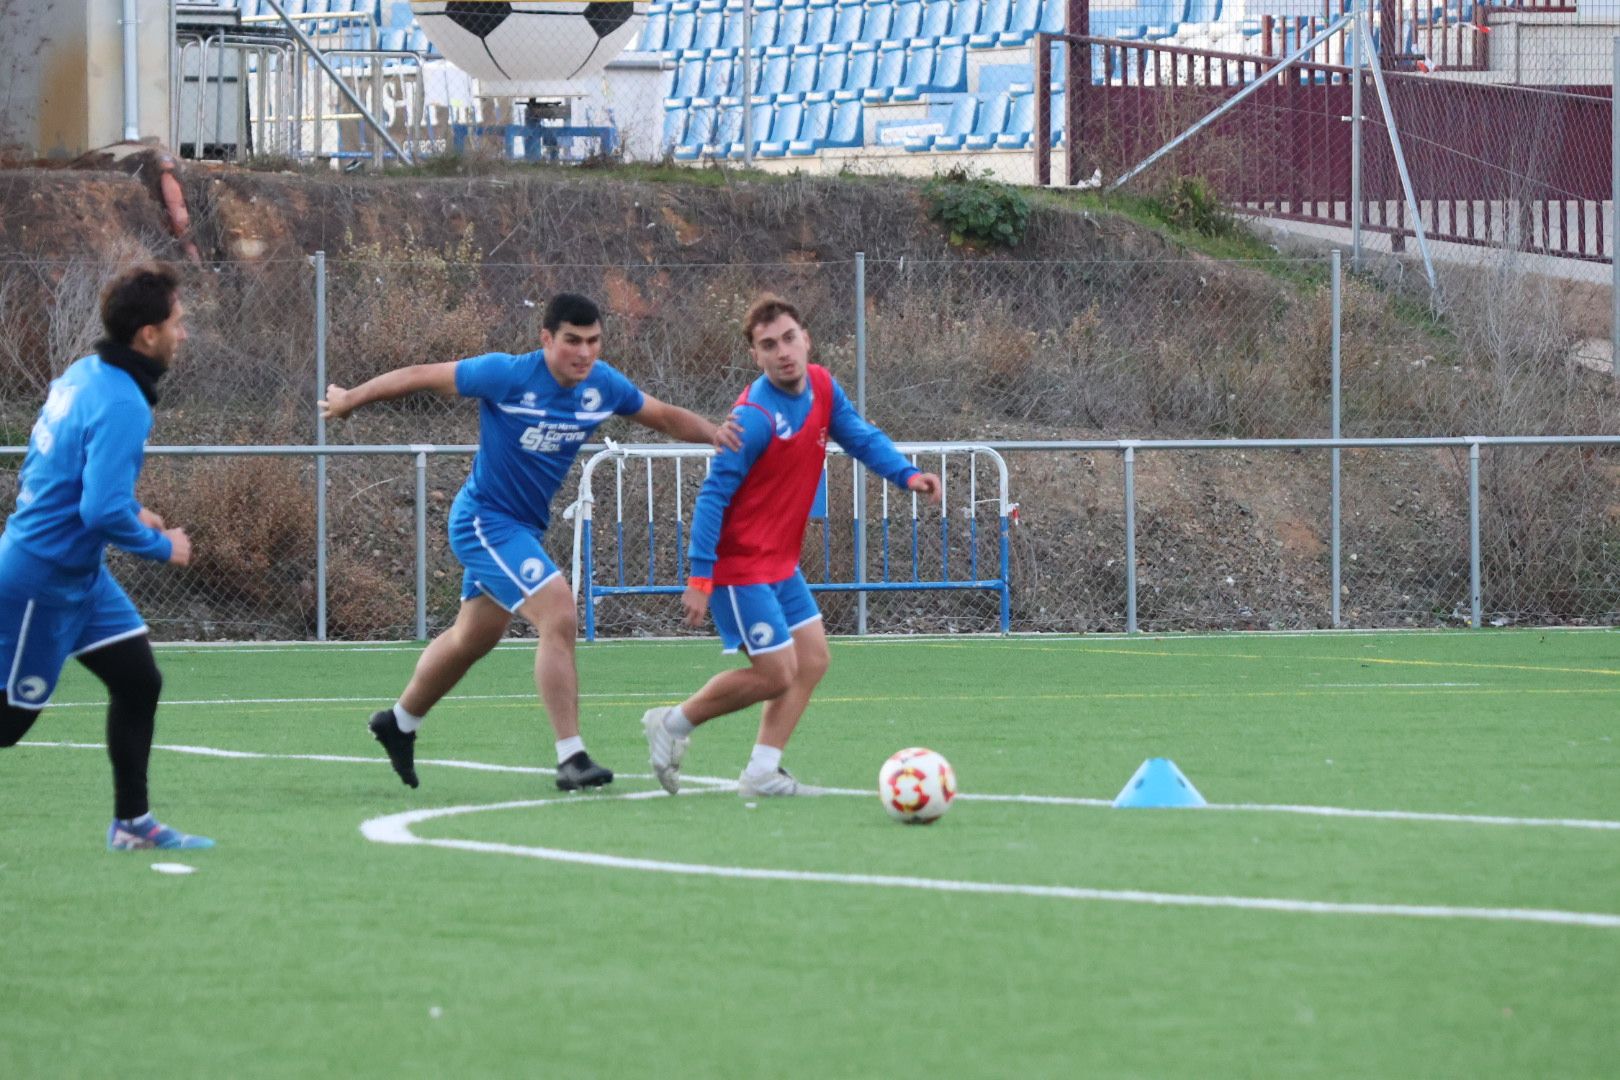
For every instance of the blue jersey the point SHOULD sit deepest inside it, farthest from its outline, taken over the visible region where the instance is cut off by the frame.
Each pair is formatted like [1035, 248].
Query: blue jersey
[530, 428]
[76, 490]
[788, 413]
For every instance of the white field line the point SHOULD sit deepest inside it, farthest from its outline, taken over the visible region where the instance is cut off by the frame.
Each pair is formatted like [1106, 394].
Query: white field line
[371, 699]
[722, 783]
[396, 829]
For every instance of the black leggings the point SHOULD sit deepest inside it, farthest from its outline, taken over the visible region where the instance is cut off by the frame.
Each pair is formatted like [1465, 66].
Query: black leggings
[133, 684]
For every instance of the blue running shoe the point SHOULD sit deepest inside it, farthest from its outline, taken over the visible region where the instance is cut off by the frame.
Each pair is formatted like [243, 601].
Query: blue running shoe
[145, 833]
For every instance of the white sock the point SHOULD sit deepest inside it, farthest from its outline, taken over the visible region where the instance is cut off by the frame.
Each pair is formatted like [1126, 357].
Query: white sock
[137, 822]
[567, 748]
[676, 723]
[406, 721]
[764, 759]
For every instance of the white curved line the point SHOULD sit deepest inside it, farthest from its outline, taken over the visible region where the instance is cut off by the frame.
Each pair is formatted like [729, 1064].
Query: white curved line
[396, 829]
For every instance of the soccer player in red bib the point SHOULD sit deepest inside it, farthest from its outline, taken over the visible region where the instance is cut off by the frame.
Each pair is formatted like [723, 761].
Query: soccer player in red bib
[747, 530]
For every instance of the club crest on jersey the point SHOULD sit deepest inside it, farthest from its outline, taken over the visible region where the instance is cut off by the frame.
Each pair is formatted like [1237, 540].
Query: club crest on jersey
[528, 399]
[590, 399]
[532, 569]
[784, 430]
[761, 634]
[59, 401]
[31, 688]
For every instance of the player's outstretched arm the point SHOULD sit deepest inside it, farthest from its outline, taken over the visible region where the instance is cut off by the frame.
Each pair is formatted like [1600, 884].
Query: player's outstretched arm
[439, 378]
[685, 425]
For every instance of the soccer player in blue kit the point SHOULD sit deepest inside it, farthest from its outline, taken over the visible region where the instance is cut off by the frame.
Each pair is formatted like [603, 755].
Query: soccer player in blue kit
[535, 411]
[76, 495]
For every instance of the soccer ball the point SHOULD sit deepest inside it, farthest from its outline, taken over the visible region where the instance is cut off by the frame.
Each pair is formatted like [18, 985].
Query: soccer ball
[530, 41]
[916, 786]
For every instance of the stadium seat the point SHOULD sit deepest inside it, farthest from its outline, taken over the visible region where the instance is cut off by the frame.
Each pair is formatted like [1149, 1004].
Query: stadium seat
[847, 23]
[950, 67]
[830, 69]
[731, 27]
[936, 19]
[992, 24]
[688, 77]
[653, 30]
[393, 40]
[891, 64]
[1054, 16]
[862, 62]
[699, 129]
[818, 22]
[992, 121]
[802, 70]
[674, 127]
[785, 125]
[773, 72]
[877, 24]
[919, 71]
[964, 18]
[789, 25]
[760, 124]
[397, 14]
[813, 128]
[958, 126]
[847, 127]
[682, 22]
[727, 128]
[1020, 119]
[719, 76]
[1022, 19]
[711, 15]
[906, 22]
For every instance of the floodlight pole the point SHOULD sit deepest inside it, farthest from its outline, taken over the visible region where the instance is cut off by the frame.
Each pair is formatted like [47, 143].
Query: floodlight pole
[1363, 28]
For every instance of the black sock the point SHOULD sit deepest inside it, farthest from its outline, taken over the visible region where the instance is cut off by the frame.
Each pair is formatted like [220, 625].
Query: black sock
[14, 722]
[133, 684]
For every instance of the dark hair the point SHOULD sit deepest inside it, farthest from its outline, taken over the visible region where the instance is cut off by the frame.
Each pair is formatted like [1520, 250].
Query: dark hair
[573, 309]
[767, 308]
[140, 296]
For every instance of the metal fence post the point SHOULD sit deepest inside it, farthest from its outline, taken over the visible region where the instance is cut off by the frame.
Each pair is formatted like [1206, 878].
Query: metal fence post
[1130, 539]
[320, 440]
[1337, 516]
[1354, 41]
[748, 83]
[421, 544]
[1475, 603]
[860, 407]
[1614, 215]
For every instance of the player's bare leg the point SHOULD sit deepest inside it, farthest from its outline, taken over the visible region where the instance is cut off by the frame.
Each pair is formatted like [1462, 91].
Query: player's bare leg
[479, 627]
[551, 609]
[766, 676]
[783, 711]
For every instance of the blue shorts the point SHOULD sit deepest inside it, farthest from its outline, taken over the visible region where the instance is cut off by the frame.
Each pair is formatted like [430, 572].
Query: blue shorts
[39, 634]
[503, 557]
[770, 612]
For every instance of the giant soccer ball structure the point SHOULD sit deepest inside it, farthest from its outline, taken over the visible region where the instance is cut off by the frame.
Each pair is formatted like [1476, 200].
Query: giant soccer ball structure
[539, 41]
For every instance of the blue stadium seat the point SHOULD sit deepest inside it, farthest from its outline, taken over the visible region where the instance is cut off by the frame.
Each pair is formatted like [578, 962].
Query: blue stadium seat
[688, 76]
[920, 57]
[992, 23]
[907, 20]
[790, 25]
[813, 129]
[1022, 20]
[719, 76]
[731, 26]
[653, 30]
[802, 70]
[950, 67]
[767, 24]
[818, 22]
[847, 26]
[830, 70]
[1020, 119]
[862, 62]
[878, 19]
[1054, 16]
[674, 127]
[397, 15]
[711, 16]
[784, 129]
[936, 19]
[964, 18]
[727, 128]
[891, 64]
[773, 72]
[699, 128]
[847, 127]
[991, 123]
[682, 22]
[958, 126]
[760, 125]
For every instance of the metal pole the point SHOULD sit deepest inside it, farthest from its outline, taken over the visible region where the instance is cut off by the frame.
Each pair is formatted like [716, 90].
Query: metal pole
[377, 106]
[320, 440]
[1130, 539]
[1230, 103]
[1400, 158]
[354, 99]
[748, 83]
[132, 82]
[421, 545]
[1338, 356]
[1355, 155]
[1473, 535]
[860, 408]
[1614, 215]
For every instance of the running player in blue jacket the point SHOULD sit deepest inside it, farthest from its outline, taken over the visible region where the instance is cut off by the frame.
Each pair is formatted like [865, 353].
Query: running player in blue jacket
[534, 413]
[76, 495]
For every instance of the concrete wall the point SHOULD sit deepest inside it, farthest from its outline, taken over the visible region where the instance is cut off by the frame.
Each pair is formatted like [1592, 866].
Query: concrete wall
[62, 74]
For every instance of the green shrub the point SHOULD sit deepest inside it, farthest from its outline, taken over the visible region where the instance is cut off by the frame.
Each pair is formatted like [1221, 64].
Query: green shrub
[977, 210]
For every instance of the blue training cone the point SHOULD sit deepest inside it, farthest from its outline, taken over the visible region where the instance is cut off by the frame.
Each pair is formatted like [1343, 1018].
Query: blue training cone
[1158, 783]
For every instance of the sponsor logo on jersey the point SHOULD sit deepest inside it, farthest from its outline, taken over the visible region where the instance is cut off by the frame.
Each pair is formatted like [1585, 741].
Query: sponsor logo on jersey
[550, 438]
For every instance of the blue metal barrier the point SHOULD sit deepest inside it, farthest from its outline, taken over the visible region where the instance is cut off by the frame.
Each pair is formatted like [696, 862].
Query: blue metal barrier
[908, 569]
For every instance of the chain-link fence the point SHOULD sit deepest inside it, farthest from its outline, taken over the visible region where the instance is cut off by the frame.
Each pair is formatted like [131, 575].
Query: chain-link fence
[972, 350]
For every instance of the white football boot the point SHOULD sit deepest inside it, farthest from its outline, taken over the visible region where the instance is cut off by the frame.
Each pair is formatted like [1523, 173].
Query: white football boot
[759, 783]
[664, 751]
